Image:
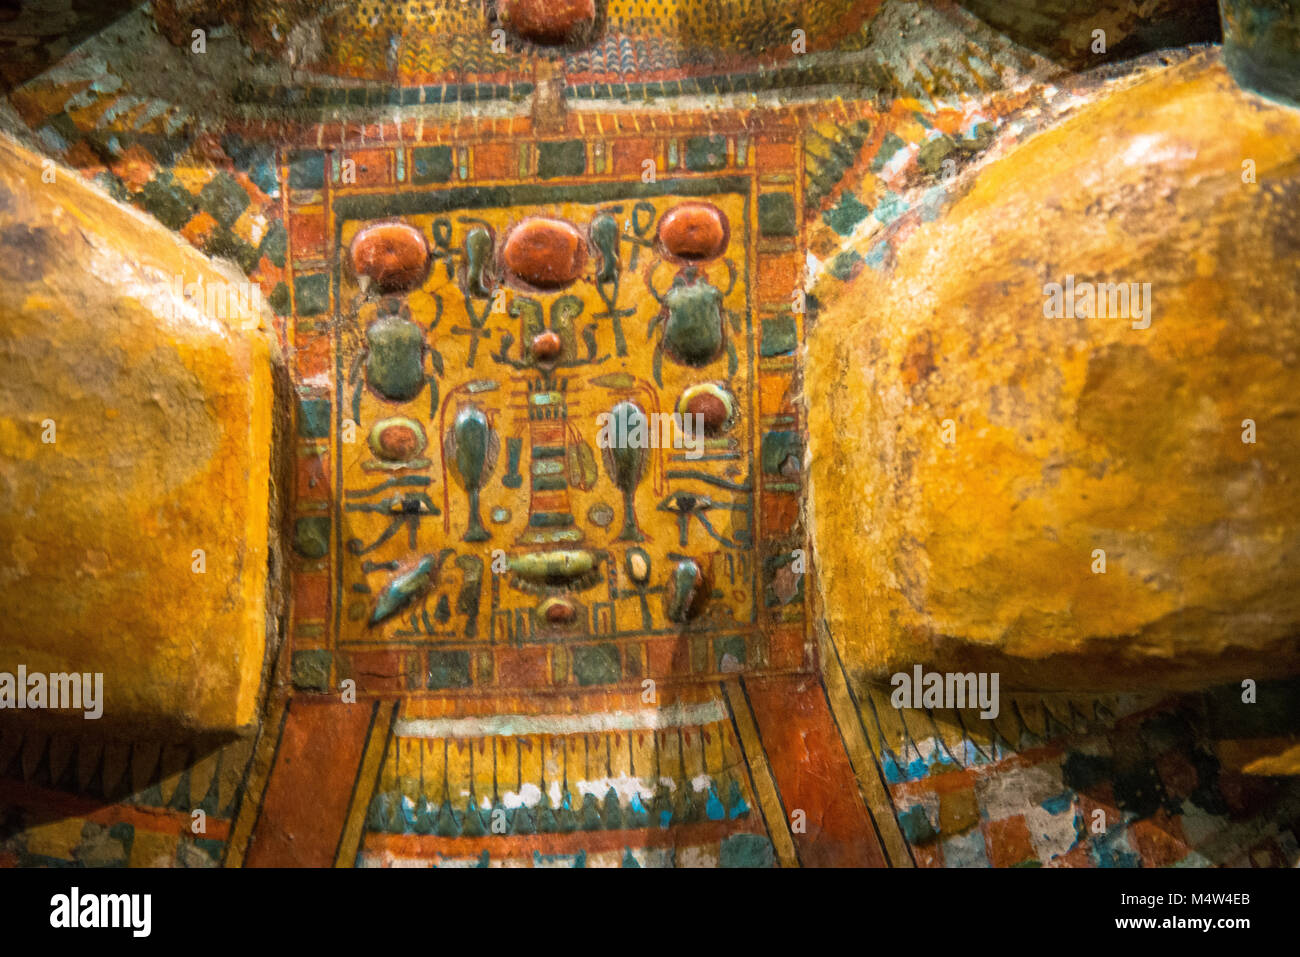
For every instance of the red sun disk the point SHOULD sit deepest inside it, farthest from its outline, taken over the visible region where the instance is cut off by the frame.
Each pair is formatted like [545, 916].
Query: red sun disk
[399, 442]
[546, 346]
[393, 255]
[694, 231]
[550, 21]
[545, 253]
[561, 613]
[712, 408]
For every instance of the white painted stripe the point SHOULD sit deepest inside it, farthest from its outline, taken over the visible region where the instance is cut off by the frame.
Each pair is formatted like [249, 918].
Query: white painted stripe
[506, 725]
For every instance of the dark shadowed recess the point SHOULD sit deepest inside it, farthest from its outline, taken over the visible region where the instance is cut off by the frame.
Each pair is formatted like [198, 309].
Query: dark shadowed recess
[1062, 30]
[37, 33]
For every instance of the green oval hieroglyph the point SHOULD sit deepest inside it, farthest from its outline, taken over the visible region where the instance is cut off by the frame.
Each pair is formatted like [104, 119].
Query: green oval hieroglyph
[395, 360]
[551, 567]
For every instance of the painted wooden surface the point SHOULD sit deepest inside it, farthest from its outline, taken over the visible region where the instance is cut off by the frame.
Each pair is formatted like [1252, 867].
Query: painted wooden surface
[474, 243]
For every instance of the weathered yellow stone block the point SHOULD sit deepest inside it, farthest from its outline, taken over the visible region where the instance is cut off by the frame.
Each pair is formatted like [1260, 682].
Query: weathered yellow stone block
[972, 458]
[135, 451]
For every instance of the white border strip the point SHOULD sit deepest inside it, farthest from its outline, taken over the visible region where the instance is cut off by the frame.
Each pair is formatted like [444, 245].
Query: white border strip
[505, 725]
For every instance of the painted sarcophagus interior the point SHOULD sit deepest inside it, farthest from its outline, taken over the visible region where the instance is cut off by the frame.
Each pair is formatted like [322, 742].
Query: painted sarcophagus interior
[649, 434]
